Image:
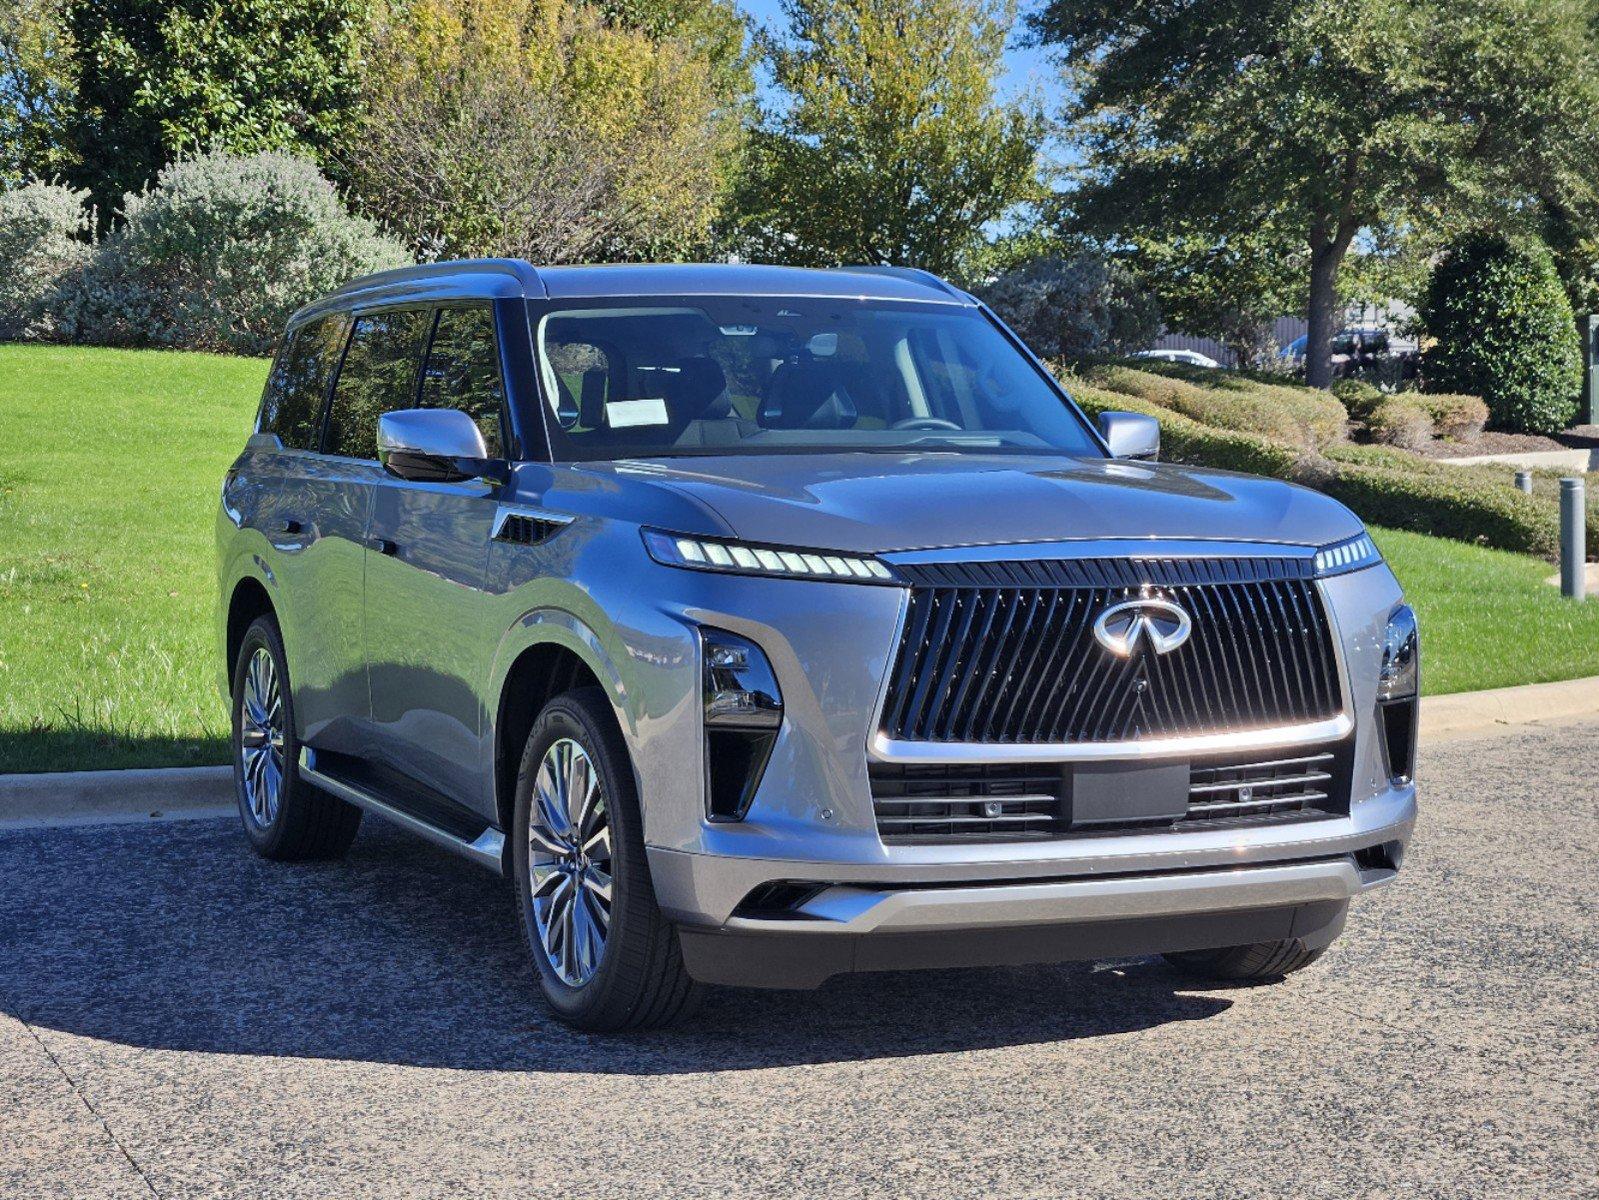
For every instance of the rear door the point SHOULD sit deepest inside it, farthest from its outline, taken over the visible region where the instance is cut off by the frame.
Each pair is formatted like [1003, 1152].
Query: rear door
[326, 510]
[427, 643]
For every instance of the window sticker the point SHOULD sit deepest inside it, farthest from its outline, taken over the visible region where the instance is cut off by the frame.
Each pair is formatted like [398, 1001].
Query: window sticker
[623, 414]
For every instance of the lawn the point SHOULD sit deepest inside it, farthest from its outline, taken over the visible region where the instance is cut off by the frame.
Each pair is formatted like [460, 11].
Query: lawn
[109, 467]
[110, 462]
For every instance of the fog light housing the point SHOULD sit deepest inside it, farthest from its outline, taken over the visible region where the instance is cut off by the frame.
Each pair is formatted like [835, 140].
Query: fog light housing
[1398, 689]
[743, 709]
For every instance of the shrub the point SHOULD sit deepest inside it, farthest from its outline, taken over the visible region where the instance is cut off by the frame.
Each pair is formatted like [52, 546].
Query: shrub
[44, 241]
[1072, 307]
[1401, 421]
[1299, 416]
[220, 251]
[1358, 396]
[1505, 332]
[1459, 418]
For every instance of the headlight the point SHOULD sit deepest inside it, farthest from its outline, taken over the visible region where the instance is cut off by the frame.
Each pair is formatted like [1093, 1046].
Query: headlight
[741, 558]
[743, 709]
[1353, 554]
[1401, 659]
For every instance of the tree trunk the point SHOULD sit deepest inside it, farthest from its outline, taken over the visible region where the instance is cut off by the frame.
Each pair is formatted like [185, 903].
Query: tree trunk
[1326, 256]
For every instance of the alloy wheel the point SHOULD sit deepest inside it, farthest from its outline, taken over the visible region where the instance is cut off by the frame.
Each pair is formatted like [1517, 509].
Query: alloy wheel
[261, 738]
[569, 862]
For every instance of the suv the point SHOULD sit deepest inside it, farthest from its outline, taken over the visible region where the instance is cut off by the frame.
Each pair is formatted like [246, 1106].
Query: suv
[765, 624]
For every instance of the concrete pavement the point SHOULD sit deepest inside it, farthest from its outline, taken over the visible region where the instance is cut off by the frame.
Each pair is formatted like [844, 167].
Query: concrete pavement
[180, 1019]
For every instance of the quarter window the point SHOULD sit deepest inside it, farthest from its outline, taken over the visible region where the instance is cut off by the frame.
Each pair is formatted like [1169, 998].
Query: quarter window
[463, 371]
[378, 376]
[298, 384]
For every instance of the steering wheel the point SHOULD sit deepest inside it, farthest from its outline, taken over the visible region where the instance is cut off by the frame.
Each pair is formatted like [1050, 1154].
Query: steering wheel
[926, 423]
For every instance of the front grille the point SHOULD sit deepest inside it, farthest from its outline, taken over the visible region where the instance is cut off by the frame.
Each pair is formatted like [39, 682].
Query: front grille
[941, 803]
[1004, 652]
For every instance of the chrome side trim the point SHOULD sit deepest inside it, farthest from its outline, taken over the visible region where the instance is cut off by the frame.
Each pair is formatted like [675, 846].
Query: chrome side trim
[487, 849]
[504, 512]
[886, 749]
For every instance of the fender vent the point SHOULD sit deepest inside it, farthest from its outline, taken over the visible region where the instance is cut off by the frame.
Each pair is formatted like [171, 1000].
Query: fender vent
[524, 530]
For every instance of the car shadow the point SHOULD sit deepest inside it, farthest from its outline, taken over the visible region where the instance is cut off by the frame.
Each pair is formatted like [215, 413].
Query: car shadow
[176, 937]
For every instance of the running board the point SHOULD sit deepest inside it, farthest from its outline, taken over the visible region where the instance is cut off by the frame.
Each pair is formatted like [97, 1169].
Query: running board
[487, 849]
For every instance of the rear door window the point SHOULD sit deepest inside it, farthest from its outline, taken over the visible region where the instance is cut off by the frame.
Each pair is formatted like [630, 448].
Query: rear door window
[298, 383]
[463, 371]
[379, 375]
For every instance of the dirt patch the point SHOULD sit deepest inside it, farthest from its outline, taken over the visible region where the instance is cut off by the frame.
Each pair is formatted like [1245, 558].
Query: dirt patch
[1494, 442]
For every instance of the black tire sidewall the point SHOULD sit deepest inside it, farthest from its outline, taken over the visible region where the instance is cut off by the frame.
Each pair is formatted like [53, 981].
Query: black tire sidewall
[574, 716]
[263, 632]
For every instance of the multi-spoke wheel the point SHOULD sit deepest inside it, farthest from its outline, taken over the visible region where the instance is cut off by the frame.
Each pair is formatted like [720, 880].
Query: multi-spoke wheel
[261, 738]
[283, 817]
[569, 856]
[606, 957]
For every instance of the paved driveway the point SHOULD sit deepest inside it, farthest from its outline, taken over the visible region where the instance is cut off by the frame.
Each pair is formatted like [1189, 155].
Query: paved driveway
[178, 1018]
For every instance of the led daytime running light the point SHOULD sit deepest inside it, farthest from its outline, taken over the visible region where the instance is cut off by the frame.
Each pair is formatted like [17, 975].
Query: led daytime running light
[1351, 555]
[675, 550]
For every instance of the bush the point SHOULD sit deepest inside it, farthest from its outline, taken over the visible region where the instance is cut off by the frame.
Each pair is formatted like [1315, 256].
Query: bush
[45, 236]
[1505, 332]
[1298, 416]
[1073, 307]
[1459, 418]
[1401, 421]
[1358, 396]
[219, 252]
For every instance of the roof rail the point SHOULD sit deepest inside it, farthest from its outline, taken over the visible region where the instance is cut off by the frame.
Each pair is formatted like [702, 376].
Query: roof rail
[913, 273]
[518, 269]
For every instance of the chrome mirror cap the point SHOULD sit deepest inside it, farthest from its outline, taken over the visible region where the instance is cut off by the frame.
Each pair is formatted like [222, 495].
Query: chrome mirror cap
[429, 433]
[1130, 435]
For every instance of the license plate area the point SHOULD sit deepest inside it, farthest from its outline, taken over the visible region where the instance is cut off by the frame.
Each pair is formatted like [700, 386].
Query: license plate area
[1118, 793]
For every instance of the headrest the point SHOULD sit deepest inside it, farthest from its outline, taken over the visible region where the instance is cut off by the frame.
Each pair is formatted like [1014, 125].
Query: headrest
[804, 393]
[693, 388]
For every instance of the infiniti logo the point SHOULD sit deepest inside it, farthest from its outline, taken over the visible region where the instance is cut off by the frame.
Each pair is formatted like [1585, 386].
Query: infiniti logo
[1121, 627]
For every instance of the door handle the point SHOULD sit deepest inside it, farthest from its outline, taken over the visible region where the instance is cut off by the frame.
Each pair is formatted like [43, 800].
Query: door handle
[383, 546]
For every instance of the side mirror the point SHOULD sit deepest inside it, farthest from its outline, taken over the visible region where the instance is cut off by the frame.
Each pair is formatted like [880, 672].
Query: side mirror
[1130, 435]
[431, 445]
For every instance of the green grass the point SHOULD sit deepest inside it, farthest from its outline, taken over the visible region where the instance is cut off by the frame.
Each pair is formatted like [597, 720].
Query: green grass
[1487, 617]
[110, 463]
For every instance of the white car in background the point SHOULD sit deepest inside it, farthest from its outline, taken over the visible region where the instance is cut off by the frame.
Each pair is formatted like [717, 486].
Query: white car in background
[1189, 358]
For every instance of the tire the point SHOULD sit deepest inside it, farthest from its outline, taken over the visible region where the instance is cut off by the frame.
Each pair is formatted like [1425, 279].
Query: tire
[1263, 960]
[636, 978]
[298, 823]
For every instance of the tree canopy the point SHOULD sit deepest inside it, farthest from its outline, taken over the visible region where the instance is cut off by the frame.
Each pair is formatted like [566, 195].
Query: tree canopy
[1312, 122]
[887, 143]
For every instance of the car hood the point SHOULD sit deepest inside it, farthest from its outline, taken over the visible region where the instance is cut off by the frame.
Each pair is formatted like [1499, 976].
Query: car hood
[886, 502]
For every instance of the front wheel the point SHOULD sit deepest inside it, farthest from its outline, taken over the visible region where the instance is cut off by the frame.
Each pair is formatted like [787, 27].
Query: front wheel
[606, 957]
[1263, 960]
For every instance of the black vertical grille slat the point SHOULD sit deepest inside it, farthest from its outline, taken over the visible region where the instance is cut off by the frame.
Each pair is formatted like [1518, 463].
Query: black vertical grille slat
[1005, 653]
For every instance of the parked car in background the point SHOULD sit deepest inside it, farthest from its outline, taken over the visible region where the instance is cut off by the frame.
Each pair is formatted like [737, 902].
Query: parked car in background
[1190, 358]
[765, 624]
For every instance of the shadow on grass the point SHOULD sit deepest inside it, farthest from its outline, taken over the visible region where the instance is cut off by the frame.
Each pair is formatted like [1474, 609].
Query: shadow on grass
[176, 936]
[85, 748]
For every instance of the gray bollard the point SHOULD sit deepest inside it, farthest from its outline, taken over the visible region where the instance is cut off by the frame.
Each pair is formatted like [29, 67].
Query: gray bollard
[1573, 539]
[1524, 482]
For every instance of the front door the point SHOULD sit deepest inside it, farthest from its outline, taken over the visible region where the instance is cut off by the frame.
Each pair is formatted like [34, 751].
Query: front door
[428, 645]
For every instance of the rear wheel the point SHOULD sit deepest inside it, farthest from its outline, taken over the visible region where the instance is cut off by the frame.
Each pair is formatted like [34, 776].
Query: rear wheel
[1263, 960]
[606, 957]
[284, 817]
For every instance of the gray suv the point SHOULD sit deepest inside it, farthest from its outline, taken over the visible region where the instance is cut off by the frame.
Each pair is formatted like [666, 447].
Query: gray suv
[765, 624]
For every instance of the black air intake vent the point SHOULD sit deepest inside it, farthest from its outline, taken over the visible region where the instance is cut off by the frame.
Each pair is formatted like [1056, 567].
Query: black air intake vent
[525, 530]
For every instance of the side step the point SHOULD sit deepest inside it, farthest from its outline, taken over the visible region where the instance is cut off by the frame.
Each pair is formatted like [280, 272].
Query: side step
[486, 847]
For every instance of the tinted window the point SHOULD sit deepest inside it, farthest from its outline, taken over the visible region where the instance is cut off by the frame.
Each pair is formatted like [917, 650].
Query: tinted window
[298, 383]
[752, 375]
[378, 376]
[463, 370]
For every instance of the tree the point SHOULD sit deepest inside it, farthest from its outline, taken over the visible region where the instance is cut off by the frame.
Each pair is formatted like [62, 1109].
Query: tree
[1505, 332]
[712, 30]
[887, 144]
[531, 128]
[1324, 120]
[35, 89]
[1066, 308]
[155, 80]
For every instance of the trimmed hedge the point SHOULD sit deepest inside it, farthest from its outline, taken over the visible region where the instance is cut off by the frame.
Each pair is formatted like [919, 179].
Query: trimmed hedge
[1184, 440]
[1459, 418]
[1297, 415]
[1401, 421]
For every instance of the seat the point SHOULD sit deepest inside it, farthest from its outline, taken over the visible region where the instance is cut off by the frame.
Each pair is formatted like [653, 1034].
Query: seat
[806, 393]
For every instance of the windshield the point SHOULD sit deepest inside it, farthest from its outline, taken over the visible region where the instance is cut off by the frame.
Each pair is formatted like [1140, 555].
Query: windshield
[758, 375]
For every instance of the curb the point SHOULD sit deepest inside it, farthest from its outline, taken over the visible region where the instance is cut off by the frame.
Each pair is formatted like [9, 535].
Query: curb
[115, 797]
[199, 793]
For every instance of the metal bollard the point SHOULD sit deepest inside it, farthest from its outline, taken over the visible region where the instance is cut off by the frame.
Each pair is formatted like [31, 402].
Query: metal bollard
[1573, 539]
[1524, 482]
